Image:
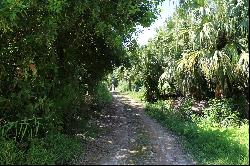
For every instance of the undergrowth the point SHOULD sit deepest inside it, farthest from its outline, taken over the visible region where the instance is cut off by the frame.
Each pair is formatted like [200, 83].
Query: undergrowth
[53, 149]
[21, 143]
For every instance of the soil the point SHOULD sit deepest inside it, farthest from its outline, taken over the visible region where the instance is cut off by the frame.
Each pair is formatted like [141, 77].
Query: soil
[130, 137]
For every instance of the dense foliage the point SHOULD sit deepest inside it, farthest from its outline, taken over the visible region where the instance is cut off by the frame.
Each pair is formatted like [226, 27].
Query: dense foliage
[53, 55]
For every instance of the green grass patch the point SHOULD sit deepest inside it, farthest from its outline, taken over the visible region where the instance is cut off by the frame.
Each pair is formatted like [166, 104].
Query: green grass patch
[53, 149]
[207, 143]
[10, 153]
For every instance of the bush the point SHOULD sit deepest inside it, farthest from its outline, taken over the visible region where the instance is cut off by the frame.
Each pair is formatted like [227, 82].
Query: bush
[39, 154]
[222, 112]
[185, 108]
[123, 86]
[53, 149]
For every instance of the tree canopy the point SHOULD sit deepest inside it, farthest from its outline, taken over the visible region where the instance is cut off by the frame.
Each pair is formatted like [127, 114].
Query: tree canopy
[52, 52]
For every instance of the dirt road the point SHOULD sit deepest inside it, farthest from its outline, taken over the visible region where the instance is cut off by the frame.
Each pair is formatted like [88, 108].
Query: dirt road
[131, 137]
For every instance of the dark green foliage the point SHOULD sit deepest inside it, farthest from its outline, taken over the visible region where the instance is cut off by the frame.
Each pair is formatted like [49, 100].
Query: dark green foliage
[185, 108]
[153, 72]
[225, 112]
[53, 54]
[37, 154]
[55, 149]
[22, 130]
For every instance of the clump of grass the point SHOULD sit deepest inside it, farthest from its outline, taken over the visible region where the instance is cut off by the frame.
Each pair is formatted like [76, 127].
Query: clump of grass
[54, 149]
[10, 153]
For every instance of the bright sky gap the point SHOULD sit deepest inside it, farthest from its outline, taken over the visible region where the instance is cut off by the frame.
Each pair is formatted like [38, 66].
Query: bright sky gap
[167, 9]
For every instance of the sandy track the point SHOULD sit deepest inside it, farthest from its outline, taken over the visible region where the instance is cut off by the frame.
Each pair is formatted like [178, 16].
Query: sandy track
[131, 137]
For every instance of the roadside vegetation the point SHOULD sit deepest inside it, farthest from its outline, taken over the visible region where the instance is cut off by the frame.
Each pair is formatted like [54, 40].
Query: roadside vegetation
[208, 139]
[216, 135]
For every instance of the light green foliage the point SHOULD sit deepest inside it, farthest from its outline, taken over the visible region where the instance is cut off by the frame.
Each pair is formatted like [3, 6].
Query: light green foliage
[214, 48]
[139, 96]
[123, 86]
[201, 51]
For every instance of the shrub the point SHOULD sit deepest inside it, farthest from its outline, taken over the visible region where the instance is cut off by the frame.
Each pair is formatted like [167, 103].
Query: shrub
[186, 106]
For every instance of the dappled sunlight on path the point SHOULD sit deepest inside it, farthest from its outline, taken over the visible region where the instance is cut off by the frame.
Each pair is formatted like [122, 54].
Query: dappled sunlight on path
[131, 137]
